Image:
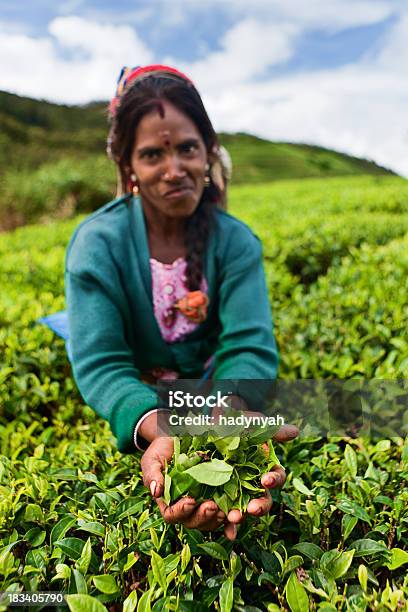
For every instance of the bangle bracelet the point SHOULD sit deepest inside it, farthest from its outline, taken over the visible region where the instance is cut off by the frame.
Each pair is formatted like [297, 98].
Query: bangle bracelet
[137, 438]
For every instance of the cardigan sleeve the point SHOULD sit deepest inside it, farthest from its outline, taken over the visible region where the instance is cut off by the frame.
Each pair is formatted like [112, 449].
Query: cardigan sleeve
[246, 346]
[102, 361]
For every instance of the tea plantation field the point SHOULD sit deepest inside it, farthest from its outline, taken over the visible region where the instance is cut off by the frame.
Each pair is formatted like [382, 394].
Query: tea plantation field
[74, 514]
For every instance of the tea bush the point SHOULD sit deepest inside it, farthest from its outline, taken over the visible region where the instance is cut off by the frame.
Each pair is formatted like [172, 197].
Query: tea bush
[57, 189]
[74, 514]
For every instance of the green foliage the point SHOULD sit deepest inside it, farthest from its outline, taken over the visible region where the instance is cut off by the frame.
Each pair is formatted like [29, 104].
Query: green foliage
[74, 513]
[55, 190]
[337, 285]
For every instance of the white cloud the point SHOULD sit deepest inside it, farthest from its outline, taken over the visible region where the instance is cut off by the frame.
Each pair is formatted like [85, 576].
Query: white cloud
[358, 109]
[95, 54]
[394, 55]
[247, 50]
[329, 16]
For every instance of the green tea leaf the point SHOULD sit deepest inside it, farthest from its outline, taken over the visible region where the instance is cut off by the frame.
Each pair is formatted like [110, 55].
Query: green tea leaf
[105, 583]
[214, 473]
[351, 460]
[33, 514]
[176, 452]
[159, 571]
[63, 572]
[80, 582]
[171, 562]
[231, 488]
[128, 507]
[296, 595]
[154, 538]
[167, 486]
[235, 564]
[60, 529]
[222, 501]
[229, 443]
[144, 602]
[37, 558]
[367, 547]
[399, 557]
[335, 563]
[213, 549]
[180, 483]
[248, 485]
[132, 558]
[226, 595]
[85, 558]
[35, 536]
[381, 446]
[351, 507]
[185, 557]
[301, 487]
[348, 523]
[310, 550]
[72, 547]
[130, 603]
[92, 527]
[84, 603]
[363, 577]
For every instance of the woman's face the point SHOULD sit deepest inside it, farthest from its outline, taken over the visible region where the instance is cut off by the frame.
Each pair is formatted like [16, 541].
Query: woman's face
[169, 159]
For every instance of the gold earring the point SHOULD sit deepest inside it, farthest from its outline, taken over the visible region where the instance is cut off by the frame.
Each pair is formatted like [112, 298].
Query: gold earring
[207, 178]
[135, 186]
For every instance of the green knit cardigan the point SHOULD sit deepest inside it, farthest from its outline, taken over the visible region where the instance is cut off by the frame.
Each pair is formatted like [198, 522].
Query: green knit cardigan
[113, 331]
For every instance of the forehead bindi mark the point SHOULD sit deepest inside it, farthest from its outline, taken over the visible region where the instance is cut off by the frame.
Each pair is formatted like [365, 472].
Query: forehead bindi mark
[165, 136]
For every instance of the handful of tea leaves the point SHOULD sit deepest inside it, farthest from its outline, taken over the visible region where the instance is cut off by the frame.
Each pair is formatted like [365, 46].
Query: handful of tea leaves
[225, 469]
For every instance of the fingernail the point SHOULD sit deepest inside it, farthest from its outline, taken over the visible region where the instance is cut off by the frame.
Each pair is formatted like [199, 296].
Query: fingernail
[153, 487]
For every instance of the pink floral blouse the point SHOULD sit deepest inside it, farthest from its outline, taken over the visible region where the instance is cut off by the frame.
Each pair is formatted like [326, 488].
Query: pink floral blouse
[168, 284]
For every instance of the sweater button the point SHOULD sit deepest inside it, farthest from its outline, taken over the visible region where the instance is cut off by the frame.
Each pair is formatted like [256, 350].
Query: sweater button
[168, 289]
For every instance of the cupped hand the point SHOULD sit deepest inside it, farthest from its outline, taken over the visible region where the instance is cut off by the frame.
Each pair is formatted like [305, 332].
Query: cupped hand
[205, 516]
[271, 480]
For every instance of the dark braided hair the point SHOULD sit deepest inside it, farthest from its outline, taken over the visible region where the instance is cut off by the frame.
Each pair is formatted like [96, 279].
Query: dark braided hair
[145, 96]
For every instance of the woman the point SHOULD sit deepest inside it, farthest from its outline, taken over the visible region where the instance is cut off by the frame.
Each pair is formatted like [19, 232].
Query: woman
[161, 280]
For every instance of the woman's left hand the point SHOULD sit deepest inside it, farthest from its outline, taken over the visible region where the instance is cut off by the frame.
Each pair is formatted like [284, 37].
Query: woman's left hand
[271, 480]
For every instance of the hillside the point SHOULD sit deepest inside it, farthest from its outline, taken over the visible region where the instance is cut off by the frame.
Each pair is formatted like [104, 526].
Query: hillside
[33, 132]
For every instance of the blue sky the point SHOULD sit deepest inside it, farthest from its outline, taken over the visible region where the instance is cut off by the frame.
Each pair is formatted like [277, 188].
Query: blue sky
[328, 72]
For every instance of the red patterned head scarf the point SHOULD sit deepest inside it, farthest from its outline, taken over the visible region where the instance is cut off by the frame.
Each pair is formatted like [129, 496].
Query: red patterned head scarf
[128, 75]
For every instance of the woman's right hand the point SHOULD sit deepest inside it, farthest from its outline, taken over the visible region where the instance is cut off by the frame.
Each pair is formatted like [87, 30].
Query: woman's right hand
[205, 516]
